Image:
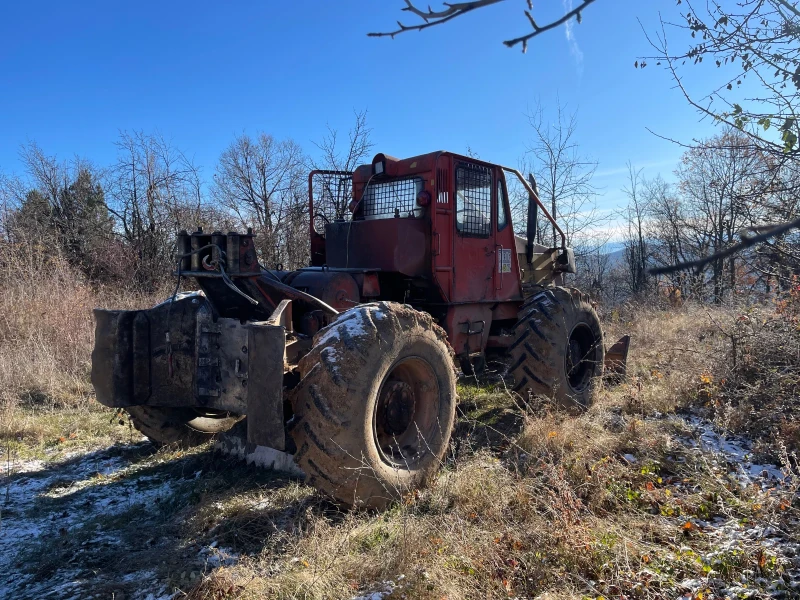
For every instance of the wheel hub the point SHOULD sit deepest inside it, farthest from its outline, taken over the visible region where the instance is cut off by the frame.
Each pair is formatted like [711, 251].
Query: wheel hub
[575, 355]
[397, 401]
[579, 360]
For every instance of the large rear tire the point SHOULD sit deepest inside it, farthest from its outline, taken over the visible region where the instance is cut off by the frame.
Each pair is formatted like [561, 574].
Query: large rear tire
[374, 410]
[184, 427]
[558, 349]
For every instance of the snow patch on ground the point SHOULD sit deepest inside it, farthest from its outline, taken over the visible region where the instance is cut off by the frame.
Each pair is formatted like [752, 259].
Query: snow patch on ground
[382, 590]
[47, 504]
[737, 452]
[215, 556]
[730, 537]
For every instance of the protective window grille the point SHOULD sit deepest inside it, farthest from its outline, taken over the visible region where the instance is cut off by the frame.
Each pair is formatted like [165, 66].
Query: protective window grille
[474, 200]
[332, 194]
[397, 197]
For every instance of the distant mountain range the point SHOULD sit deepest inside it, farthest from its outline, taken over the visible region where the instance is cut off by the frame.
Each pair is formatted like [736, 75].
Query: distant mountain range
[615, 257]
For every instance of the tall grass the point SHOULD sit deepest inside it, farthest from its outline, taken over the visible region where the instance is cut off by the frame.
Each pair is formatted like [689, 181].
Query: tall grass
[557, 509]
[567, 507]
[46, 328]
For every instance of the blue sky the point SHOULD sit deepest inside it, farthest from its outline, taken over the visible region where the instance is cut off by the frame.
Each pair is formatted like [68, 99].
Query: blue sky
[73, 74]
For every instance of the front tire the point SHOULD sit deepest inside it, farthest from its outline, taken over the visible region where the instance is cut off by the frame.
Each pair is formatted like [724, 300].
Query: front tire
[374, 410]
[558, 349]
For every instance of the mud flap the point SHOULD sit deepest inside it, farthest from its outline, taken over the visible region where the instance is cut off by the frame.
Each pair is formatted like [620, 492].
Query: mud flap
[265, 386]
[616, 359]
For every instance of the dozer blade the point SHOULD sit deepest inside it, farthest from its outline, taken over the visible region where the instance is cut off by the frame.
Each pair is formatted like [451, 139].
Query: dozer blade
[234, 443]
[616, 360]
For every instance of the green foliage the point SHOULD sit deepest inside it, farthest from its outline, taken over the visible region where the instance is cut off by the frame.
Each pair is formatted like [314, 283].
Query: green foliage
[755, 38]
[71, 219]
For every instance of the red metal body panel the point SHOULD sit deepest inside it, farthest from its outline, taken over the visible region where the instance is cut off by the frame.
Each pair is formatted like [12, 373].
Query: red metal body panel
[335, 288]
[370, 286]
[476, 276]
[507, 285]
[466, 269]
[467, 327]
[393, 245]
[442, 211]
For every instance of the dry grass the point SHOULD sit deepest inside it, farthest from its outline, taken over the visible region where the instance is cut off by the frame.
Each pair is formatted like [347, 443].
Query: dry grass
[46, 329]
[537, 505]
[46, 339]
[556, 510]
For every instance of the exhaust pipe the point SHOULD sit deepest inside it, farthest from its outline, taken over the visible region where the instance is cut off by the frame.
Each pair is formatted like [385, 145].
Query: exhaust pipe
[533, 217]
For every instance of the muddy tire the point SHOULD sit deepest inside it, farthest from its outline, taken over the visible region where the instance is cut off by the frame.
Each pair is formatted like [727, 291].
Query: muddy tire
[184, 427]
[558, 349]
[374, 410]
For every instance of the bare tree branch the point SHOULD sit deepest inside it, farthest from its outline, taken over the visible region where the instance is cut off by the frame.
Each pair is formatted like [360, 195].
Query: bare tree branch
[565, 177]
[747, 242]
[755, 38]
[432, 17]
[451, 11]
[538, 30]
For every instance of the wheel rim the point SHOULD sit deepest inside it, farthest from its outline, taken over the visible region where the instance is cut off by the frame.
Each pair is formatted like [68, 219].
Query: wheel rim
[406, 413]
[580, 361]
[211, 420]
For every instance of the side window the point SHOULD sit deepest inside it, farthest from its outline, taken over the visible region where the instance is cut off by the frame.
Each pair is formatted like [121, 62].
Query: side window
[502, 216]
[473, 200]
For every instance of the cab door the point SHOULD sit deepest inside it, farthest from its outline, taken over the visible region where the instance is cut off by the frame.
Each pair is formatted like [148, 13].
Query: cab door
[442, 223]
[474, 239]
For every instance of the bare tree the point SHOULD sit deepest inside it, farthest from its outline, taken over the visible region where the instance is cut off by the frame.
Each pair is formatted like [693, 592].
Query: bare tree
[12, 193]
[775, 262]
[345, 157]
[472, 153]
[453, 10]
[564, 179]
[689, 230]
[154, 191]
[261, 180]
[670, 240]
[723, 183]
[593, 271]
[635, 242]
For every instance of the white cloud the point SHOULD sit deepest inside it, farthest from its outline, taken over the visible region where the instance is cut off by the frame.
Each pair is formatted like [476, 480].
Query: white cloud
[570, 34]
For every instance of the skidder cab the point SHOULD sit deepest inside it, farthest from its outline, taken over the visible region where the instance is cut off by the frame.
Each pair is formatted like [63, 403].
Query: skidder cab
[347, 364]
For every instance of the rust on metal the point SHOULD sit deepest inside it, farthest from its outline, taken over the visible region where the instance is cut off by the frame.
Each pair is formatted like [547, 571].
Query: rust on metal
[616, 360]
